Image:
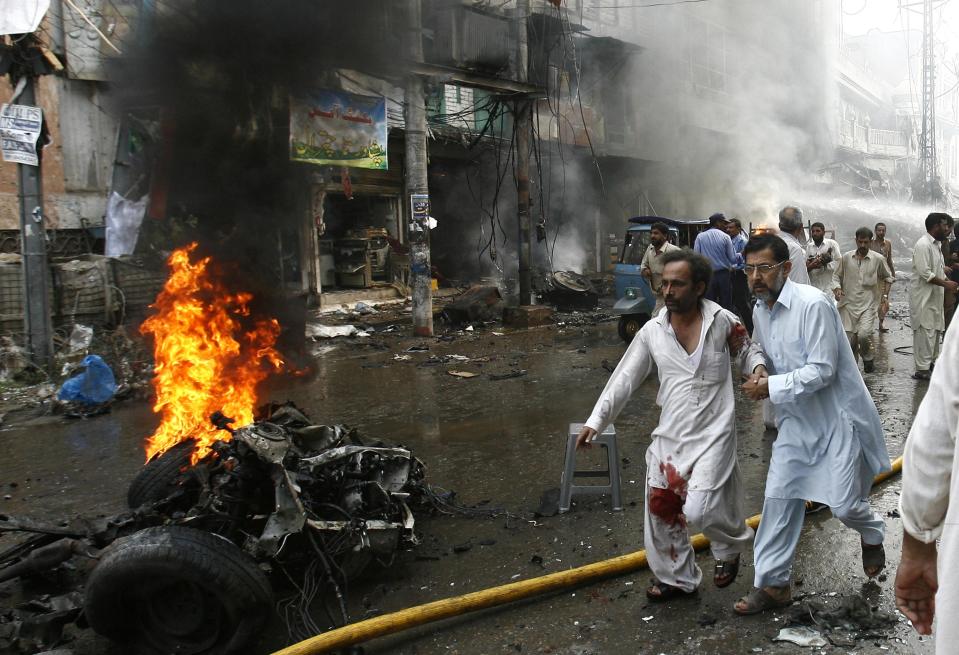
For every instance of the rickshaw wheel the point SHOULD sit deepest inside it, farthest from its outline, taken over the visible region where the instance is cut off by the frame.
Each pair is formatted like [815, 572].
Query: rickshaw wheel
[630, 324]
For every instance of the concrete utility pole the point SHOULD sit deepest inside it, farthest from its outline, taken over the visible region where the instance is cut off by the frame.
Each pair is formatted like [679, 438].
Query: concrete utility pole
[417, 182]
[522, 131]
[36, 314]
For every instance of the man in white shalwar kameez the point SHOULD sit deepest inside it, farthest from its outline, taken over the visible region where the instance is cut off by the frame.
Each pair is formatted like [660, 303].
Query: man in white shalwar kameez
[693, 480]
[927, 314]
[830, 443]
[929, 506]
[822, 258]
[859, 282]
[791, 231]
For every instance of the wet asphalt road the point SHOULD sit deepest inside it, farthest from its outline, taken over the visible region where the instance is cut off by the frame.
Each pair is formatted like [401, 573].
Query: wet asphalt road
[502, 442]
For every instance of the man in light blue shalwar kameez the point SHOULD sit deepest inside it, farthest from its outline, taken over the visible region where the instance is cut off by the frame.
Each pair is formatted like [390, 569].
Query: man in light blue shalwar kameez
[830, 444]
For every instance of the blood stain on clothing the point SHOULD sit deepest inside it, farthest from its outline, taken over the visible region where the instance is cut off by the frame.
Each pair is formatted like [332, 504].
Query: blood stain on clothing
[667, 504]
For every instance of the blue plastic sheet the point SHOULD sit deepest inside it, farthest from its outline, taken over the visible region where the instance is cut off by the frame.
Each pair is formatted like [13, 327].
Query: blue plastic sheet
[95, 385]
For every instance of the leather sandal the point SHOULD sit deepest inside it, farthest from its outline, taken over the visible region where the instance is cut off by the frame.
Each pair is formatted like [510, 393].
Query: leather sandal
[759, 600]
[726, 572]
[666, 592]
[873, 556]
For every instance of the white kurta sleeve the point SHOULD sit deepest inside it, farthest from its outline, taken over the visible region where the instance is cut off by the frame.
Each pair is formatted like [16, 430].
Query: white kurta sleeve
[835, 257]
[836, 254]
[930, 450]
[922, 262]
[629, 374]
[822, 353]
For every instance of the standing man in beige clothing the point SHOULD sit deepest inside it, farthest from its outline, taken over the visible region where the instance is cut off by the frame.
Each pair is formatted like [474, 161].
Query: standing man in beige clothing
[883, 246]
[651, 267]
[857, 282]
[929, 282]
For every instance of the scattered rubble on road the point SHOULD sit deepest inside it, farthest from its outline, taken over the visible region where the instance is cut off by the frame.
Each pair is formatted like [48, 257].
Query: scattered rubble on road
[282, 504]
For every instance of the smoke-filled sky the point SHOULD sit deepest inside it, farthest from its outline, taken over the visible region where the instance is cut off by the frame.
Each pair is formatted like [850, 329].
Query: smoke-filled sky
[860, 16]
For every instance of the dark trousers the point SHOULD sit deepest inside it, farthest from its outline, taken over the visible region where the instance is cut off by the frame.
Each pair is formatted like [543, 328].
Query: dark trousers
[741, 299]
[720, 289]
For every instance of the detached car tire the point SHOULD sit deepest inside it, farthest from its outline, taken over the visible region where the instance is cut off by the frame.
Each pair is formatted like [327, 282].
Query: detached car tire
[630, 324]
[172, 589]
[157, 479]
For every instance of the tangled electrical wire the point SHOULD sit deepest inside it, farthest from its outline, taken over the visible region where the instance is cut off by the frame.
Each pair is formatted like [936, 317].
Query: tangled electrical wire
[445, 502]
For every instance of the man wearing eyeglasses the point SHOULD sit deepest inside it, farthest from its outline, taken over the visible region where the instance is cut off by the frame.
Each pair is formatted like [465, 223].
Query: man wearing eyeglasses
[830, 444]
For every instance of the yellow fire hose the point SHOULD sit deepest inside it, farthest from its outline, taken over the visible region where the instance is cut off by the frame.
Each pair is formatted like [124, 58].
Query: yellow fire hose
[388, 624]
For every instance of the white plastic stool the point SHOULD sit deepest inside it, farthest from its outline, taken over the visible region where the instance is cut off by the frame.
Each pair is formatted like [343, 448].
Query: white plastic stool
[566, 488]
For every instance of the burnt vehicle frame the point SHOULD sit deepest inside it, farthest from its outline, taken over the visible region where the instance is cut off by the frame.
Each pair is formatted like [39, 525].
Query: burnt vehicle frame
[187, 569]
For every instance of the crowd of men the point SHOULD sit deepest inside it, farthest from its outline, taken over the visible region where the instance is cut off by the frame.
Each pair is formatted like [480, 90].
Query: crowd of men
[798, 316]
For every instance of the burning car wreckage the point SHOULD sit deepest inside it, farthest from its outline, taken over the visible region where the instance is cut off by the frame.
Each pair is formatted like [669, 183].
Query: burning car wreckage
[189, 568]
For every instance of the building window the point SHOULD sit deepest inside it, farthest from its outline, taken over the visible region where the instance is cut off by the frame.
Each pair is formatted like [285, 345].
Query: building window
[706, 54]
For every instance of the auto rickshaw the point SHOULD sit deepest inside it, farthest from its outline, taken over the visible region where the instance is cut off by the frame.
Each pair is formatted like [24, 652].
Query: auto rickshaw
[634, 297]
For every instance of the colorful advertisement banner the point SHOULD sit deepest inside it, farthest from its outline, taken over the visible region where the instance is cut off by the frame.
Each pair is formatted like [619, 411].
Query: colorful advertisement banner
[334, 128]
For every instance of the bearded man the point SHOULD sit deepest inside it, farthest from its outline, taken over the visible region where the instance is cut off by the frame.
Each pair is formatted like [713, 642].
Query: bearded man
[693, 481]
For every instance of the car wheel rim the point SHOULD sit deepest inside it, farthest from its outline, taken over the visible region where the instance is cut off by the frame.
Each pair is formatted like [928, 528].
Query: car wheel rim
[182, 616]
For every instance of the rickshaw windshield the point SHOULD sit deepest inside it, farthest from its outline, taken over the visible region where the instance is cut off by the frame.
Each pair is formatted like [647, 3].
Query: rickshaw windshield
[635, 248]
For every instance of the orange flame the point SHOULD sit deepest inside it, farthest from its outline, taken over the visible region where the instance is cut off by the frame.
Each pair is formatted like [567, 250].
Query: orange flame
[204, 360]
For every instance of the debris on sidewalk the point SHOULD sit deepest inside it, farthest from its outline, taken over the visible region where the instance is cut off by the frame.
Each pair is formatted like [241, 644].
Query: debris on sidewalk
[851, 613]
[317, 331]
[94, 386]
[463, 374]
[801, 637]
[77, 346]
[527, 316]
[475, 305]
[569, 291]
[13, 359]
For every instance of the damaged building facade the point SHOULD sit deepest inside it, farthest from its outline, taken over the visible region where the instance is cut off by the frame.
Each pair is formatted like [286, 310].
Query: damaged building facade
[666, 112]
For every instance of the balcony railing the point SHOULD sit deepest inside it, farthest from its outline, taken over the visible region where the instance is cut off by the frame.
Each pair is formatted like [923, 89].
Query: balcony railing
[887, 138]
[890, 143]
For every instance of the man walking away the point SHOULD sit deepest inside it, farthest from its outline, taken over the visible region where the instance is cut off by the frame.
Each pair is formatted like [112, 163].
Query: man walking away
[830, 443]
[716, 246]
[822, 258]
[926, 291]
[651, 267]
[791, 231]
[740, 287]
[929, 506]
[883, 246]
[861, 278]
[693, 481]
